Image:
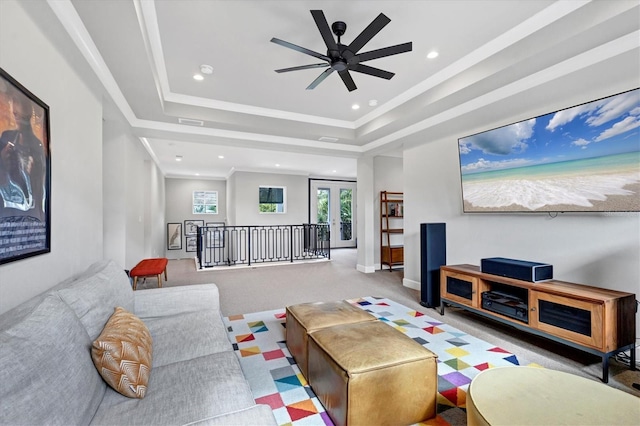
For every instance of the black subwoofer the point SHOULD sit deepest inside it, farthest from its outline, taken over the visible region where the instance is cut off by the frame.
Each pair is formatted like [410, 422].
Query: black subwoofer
[433, 255]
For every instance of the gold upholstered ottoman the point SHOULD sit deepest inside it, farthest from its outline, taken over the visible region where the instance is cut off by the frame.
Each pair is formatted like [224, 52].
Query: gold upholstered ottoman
[306, 318]
[370, 373]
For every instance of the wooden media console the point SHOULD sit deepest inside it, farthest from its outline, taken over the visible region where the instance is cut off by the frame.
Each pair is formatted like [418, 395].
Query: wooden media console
[595, 320]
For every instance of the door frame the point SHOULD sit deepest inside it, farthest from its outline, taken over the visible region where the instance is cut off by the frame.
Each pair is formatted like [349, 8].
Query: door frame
[314, 182]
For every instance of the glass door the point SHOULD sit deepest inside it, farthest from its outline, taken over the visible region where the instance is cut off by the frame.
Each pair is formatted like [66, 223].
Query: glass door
[334, 203]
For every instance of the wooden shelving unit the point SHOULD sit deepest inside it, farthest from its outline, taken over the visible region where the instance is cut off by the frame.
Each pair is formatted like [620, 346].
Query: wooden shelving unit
[596, 320]
[391, 229]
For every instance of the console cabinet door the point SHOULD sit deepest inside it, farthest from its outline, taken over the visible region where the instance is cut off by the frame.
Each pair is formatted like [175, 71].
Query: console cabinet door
[575, 320]
[459, 288]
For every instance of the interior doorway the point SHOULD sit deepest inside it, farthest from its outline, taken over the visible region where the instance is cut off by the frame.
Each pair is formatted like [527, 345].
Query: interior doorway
[334, 202]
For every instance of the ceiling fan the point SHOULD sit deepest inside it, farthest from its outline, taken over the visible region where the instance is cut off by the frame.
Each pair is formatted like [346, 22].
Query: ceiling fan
[343, 58]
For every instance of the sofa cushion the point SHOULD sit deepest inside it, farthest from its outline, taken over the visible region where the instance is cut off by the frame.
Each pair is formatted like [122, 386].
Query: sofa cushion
[165, 301]
[258, 415]
[47, 376]
[182, 337]
[96, 293]
[181, 393]
[123, 353]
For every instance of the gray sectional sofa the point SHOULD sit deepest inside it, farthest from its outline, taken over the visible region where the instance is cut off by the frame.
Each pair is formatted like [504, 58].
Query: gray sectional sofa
[47, 375]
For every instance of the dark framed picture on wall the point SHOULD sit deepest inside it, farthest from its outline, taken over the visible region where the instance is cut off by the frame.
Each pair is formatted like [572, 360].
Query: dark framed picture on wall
[192, 244]
[191, 226]
[174, 236]
[25, 172]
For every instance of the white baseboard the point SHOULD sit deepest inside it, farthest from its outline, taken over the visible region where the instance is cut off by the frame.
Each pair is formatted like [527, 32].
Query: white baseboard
[366, 269]
[411, 284]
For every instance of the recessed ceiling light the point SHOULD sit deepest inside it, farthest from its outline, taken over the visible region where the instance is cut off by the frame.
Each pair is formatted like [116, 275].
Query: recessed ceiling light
[206, 69]
[197, 174]
[355, 106]
[373, 102]
[178, 157]
[433, 54]
[277, 165]
[334, 171]
[198, 77]
[221, 156]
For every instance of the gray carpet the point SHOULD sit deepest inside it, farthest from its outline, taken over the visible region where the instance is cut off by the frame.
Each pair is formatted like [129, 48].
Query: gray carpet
[267, 287]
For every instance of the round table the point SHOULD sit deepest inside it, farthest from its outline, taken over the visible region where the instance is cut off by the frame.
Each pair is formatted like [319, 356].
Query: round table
[539, 396]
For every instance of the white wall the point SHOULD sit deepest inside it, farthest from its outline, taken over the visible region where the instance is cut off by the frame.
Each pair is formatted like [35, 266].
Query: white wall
[599, 249]
[388, 176]
[133, 198]
[115, 207]
[154, 211]
[178, 207]
[365, 211]
[28, 53]
[596, 249]
[246, 199]
[231, 200]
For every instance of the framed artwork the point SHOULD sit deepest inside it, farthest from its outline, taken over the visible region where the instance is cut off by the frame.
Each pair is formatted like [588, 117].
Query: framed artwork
[25, 173]
[174, 236]
[192, 244]
[205, 202]
[191, 226]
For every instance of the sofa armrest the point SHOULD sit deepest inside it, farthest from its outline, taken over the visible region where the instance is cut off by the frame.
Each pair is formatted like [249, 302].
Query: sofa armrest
[165, 301]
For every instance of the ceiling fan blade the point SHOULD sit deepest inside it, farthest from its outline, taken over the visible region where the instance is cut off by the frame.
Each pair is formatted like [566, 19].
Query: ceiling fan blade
[300, 49]
[347, 80]
[368, 33]
[320, 78]
[325, 31]
[376, 72]
[385, 51]
[303, 67]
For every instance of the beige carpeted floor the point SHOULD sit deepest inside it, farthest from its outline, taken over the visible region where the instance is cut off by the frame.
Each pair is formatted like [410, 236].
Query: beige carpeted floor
[265, 287]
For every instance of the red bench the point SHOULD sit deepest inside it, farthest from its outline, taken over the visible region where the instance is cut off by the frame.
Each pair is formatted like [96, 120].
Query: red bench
[148, 268]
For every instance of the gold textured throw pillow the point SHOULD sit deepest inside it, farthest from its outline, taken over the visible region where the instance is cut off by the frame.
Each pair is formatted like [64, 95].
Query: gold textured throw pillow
[123, 352]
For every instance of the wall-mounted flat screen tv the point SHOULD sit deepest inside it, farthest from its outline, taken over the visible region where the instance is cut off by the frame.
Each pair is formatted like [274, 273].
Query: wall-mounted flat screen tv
[580, 159]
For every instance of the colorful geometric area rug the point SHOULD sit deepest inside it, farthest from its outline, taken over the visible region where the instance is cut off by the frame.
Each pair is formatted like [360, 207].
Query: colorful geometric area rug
[275, 379]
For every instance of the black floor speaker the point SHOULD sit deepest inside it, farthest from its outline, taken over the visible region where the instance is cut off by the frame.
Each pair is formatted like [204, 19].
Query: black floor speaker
[433, 255]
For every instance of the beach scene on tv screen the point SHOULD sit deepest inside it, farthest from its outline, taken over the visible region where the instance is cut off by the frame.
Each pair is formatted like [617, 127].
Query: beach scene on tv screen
[584, 158]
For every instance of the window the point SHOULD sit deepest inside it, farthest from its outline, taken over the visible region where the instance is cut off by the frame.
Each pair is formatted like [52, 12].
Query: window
[205, 202]
[272, 199]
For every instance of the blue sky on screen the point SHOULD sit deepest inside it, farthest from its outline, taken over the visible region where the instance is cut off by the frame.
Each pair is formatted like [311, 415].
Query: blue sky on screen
[604, 127]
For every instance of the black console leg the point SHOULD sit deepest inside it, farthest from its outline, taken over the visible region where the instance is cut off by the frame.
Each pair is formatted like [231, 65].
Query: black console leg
[441, 307]
[632, 352]
[605, 368]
